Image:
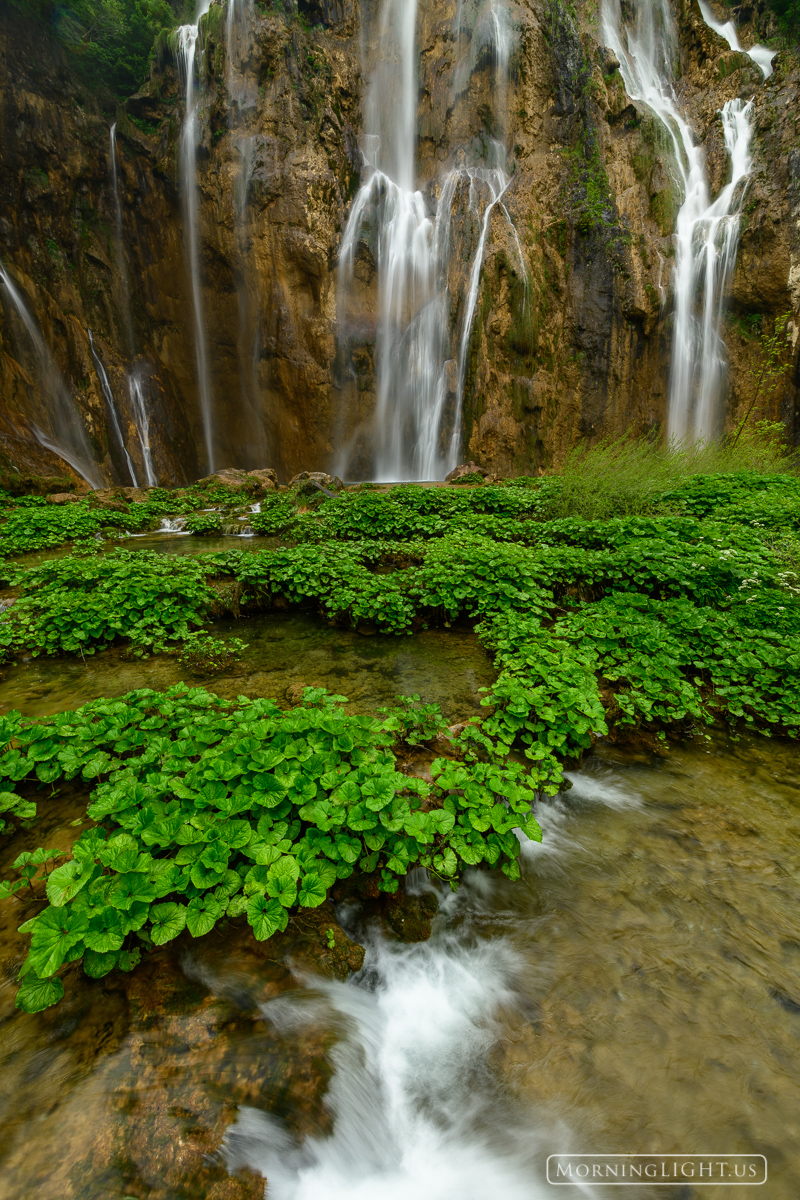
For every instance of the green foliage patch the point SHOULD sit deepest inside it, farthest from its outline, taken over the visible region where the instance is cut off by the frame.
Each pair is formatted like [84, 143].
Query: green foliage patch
[205, 810]
[635, 591]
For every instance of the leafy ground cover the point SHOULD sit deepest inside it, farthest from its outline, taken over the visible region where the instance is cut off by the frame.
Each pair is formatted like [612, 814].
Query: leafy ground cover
[204, 810]
[30, 523]
[657, 616]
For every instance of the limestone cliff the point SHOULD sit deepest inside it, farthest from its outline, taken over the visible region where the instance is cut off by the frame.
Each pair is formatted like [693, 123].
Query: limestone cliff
[572, 333]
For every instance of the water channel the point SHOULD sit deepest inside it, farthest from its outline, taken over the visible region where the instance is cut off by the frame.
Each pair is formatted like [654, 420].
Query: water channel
[636, 991]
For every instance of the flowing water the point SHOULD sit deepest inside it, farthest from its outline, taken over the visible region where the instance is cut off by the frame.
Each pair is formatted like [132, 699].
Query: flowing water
[727, 30]
[111, 410]
[707, 231]
[66, 435]
[187, 53]
[635, 991]
[422, 331]
[142, 422]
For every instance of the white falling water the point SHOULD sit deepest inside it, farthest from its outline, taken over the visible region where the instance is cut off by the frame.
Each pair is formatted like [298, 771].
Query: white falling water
[496, 182]
[142, 421]
[416, 1113]
[707, 232]
[138, 405]
[727, 30]
[187, 52]
[66, 436]
[111, 406]
[412, 250]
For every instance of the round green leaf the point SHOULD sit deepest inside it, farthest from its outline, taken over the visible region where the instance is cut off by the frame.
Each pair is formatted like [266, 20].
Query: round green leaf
[202, 915]
[166, 922]
[105, 933]
[129, 888]
[64, 883]
[96, 965]
[37, 994]
[54, 933]
[312, 891]
[266, 917]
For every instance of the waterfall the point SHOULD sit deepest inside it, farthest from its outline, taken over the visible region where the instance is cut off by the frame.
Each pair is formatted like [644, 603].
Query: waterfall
[707, 232]
[415, 1110]
[135, 390]
[187, 51]
[139, 409]
[413, 343]
[497, 183]
[67, 436]
[111, 406]
[727, 30]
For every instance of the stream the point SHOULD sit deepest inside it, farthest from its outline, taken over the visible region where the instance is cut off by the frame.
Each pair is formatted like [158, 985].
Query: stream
[636, 991]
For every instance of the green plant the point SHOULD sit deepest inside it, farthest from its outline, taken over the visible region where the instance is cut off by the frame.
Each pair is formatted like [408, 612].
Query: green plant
[412, 721]
[775, 353]
[203, 654]
[204, 810]
[205, 524]
[330, 939]
[108, 41]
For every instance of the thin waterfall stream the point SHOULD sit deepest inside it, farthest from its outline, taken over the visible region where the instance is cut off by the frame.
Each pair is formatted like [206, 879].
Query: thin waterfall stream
[759, 54]
[138, 401]
[188, 36]
[67, 436]
[111, 407]
[707, 231]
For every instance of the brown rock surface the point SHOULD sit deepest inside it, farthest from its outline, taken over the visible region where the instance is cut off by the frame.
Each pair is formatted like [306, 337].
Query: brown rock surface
[571, 336]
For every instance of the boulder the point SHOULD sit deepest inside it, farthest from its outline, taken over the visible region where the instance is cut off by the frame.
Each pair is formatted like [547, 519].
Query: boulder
[266, 477]
[111, 498]
[466, 471]
[62, 498]
[231, 477]
[311, 481]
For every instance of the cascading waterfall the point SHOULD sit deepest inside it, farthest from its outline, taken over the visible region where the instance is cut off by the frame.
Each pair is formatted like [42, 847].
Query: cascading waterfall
[187, 53]
[727, 30]
[707, 232]
[412, 253]
[111, 407]
[496, 182]
[415, 1109]
[67, 437]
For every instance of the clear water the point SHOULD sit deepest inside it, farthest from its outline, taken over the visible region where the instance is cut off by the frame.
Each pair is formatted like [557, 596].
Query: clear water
[283, 652]
[636, 990]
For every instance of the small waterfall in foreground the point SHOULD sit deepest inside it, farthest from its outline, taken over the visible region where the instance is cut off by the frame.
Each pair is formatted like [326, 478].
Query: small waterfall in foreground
[67, 436]
[111, 408]
[706, 237]
[420, 374]
[187, 53]
[760, 55]
[416, 1110]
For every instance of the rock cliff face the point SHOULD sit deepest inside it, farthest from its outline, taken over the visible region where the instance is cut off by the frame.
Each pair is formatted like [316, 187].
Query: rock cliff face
[572, 330]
